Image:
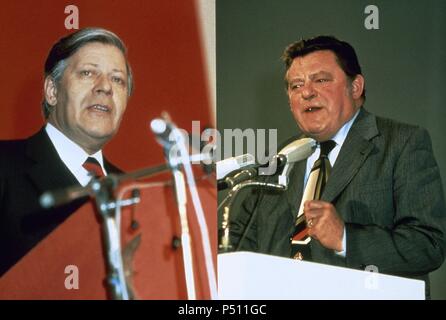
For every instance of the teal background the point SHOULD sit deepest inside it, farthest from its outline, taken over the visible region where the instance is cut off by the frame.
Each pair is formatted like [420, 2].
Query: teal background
[404, 64]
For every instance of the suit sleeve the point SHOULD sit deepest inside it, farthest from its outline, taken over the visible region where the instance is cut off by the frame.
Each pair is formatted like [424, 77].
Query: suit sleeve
[416, 242]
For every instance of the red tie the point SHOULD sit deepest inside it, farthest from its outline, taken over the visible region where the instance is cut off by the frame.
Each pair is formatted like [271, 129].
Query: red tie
[93, 167]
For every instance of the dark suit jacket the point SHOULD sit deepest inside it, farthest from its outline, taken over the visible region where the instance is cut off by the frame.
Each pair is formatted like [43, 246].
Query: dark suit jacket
[27, 169]
[385, 185]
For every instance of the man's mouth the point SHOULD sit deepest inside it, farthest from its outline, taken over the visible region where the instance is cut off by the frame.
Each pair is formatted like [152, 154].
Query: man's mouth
[100, 107]
[312, 108]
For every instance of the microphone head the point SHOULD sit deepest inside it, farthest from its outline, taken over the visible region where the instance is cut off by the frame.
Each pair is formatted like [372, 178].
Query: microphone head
[163, 131]
[158, 126]
[299, 149]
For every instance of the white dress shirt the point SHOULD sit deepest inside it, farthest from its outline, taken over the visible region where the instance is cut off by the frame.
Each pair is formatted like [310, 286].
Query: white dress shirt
[339, 138]
[72, 155]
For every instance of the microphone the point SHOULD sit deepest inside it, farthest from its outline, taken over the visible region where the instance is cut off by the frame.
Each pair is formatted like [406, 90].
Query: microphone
[170, 138]
[226, 166]
[298, 150]
[162, 129]
[293, 152]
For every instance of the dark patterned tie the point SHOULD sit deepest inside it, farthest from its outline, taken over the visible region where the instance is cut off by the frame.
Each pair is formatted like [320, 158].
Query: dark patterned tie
[93, 167]
[325, 168]
[315, 187]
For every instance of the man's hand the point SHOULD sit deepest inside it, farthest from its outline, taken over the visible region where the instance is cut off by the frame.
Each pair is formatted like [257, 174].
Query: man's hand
[324, 224]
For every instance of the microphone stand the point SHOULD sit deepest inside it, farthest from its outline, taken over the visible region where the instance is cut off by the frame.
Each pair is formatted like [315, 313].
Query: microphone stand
[207, 251]
[102, 190]
[224, 241]
[103, 195]
[173, 157]
[177, 154]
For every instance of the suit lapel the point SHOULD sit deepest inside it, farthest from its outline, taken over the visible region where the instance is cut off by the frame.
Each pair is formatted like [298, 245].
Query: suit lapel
[295, 188]
[355, 150]
[48, 172]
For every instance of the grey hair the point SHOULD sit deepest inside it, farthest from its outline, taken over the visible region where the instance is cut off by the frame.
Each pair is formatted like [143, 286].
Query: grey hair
[61, 51]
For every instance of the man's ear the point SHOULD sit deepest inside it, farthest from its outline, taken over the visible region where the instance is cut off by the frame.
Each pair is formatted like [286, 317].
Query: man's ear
[50, 91]
[357, 86]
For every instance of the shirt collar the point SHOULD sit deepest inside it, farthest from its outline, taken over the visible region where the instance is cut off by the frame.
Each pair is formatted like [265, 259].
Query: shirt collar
[340, 136]
[72, 155]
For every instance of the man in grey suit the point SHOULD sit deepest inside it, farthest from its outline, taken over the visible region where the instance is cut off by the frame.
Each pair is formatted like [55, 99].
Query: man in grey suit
[383, 203]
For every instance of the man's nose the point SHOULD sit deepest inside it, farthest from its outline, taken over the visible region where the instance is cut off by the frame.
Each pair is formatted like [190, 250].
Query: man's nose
[308, 92]
[103, 85]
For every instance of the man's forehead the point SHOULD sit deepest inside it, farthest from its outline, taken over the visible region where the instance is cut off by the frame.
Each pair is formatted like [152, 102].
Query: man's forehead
[95, 53]
[314, 62]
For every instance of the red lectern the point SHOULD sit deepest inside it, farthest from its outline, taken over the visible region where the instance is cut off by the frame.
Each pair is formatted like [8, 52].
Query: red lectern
[151, 249]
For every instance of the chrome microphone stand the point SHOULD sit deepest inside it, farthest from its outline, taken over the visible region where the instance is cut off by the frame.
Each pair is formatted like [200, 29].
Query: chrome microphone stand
[176, 151]
[173, 142]
[103, 195]
[224, 241]
[181, 196]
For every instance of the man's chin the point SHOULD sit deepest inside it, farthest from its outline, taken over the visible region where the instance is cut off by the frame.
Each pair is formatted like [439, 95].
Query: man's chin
[317, 135]
[101, 136]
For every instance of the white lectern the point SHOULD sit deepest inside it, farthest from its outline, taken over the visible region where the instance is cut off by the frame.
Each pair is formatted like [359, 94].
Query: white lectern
[246, 275]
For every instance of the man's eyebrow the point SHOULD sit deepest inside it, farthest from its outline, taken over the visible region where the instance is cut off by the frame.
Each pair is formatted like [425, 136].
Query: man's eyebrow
[312, 76]
[90, 64]
[118, 70]
[321, 73]
[97, 65]
[297, 78]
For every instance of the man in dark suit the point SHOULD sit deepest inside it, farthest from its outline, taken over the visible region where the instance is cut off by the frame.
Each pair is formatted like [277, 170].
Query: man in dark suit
[383, 203]
[87, 85]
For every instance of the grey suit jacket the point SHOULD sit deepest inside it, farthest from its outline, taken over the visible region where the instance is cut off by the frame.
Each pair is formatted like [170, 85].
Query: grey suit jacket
[386, 187]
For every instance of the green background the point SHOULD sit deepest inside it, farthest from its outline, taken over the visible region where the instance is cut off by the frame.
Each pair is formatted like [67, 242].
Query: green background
[404, 64]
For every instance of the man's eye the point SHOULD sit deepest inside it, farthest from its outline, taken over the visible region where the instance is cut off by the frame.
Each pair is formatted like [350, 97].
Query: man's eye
[322, 80]
[295, 86]
[86, 73]
[118, 80]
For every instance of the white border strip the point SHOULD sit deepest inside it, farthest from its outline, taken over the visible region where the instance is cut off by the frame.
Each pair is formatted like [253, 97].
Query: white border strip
[206, 18]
